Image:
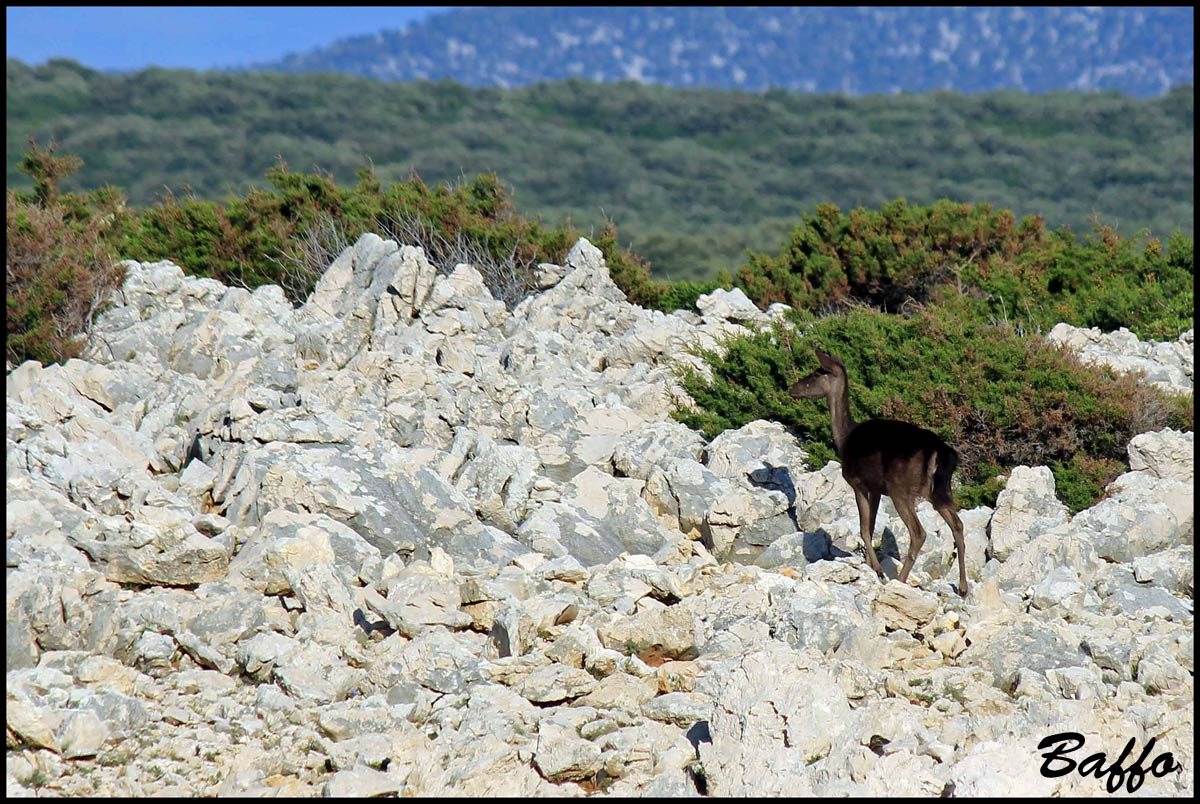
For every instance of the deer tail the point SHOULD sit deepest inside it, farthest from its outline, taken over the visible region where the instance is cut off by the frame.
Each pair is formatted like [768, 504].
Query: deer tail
[941, 466]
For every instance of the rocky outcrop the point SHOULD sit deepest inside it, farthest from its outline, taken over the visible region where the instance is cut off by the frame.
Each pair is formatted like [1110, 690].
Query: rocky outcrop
[432, 546]
[1168, 365]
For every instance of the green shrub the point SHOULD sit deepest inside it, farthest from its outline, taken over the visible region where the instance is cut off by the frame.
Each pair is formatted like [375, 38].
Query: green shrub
[998, 269]
[998, 398]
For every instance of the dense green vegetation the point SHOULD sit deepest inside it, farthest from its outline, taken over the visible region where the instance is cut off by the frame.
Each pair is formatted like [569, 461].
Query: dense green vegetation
[692, 178]
[983, 261]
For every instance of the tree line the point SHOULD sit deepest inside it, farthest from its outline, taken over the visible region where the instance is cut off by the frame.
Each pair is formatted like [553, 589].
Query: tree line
[692, 178]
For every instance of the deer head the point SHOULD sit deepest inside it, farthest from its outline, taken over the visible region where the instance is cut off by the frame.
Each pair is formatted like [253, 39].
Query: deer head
[821, 382]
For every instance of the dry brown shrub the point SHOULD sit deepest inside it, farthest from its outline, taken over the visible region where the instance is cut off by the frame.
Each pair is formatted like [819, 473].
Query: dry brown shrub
[58, 272]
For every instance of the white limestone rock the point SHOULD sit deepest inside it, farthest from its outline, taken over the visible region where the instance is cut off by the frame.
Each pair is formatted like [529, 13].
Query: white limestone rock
[732, 305]
[902, 606]
[1168, 365]
[775, 712]
[1025, 508]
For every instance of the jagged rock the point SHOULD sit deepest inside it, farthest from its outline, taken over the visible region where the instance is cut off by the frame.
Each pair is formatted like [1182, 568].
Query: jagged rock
[747, 518]
[29, 723]
[555, 682]
[1165, 453]
[824, 500]
[1026, 508]
[1168, 365]
[561, 530]
[563, 755]
[548, 275]
[637, 751]
[210, 627]
[47, 708]
[621, 516]
[996, 768]
[1173, 570]
[619, 690]
[293, 553]
[212, 328]
[519, 624]
[461, 302]
[420, 596]
[1065, 545]
[683, 709]
[370, 291]
[774, 713]
[37, 526]
[1159, 671]
[584, 301]
[1023, 647]
[650, 340]
[440, 661]
[1060, 587]
[761, 452]
[652, 635]
[733, 305]
[795, 550]
[82, 734]
[1143, 488]
[158, 546]
[658, 444]
[361, 782]
[566, 569]
[1120, 592]
[616, 582]
[259, 655]
[316, 674]
[498, 477]
[574, 645]
[683, 489]
[488, 754]
[901, 606]
[816, 615]
[1122, 531]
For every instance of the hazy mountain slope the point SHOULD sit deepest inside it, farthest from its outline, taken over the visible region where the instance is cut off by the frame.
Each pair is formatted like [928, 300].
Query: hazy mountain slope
[1142, 51]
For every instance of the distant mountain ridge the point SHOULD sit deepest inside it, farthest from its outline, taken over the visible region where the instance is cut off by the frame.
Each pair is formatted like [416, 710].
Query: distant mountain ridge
[1139, 51]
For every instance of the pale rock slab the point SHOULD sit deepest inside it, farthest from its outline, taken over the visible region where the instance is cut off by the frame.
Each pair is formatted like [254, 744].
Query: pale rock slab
[1025, 508]
[774, 714]
[904, 607]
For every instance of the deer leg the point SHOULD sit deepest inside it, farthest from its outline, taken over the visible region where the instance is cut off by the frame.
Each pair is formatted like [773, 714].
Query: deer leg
[866, 526]
[907, 509]
[950, 514]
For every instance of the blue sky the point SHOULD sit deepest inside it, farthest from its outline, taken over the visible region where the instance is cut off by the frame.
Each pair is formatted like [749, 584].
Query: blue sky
[128, 38]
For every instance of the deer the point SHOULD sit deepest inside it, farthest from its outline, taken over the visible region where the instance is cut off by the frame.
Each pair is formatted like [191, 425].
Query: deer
[884, 456]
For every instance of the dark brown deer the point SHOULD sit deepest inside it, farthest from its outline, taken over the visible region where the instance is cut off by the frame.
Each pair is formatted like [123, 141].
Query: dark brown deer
[884, 456]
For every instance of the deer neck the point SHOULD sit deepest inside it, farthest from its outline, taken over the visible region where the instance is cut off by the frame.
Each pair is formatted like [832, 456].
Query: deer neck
[839, 411]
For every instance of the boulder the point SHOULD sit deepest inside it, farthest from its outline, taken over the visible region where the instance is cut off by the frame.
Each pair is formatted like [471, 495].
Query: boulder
[1025, 508]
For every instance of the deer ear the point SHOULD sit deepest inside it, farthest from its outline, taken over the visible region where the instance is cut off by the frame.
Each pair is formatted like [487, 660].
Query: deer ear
[827, 361]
